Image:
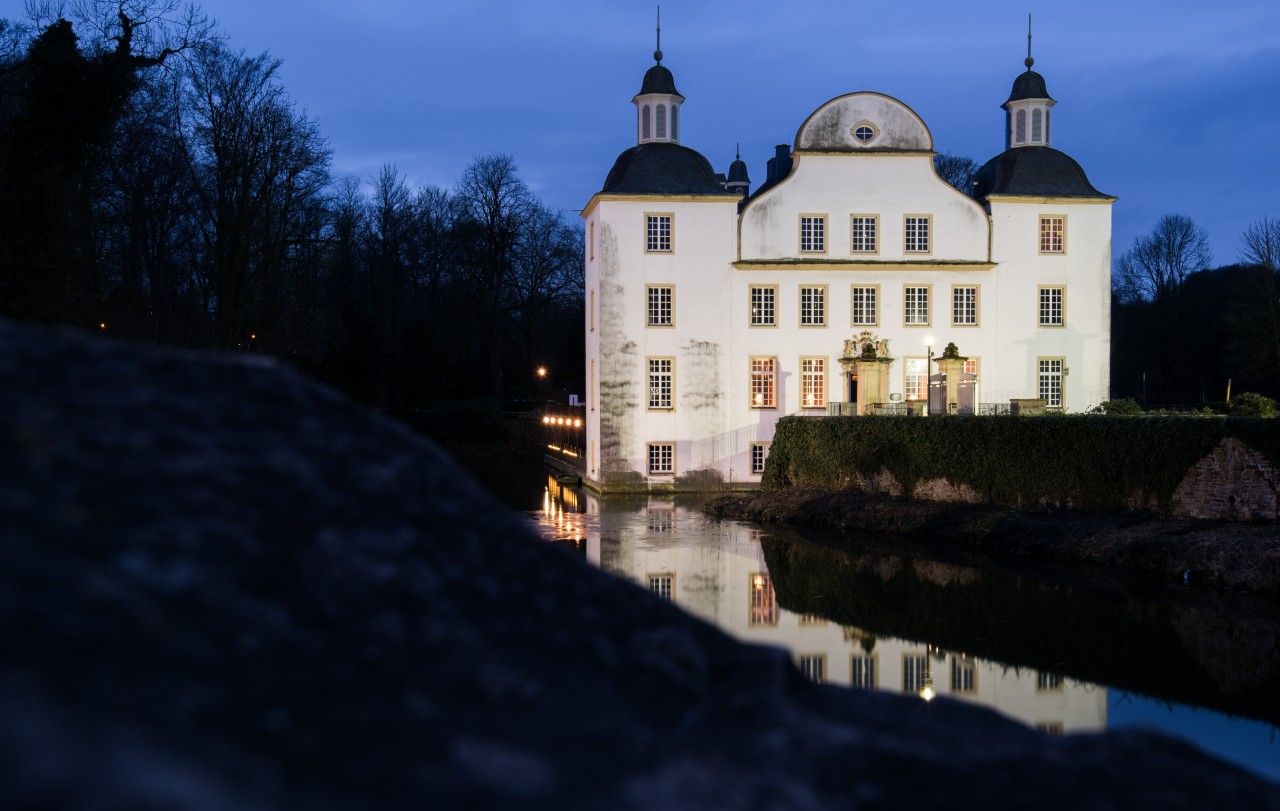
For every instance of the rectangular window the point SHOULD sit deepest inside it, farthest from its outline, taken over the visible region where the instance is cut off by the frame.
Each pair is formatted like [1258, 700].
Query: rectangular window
[591, 240]
[915, 305]
[591, 385]
[657, 233]
[863, 233]
[964, 675]
[813, 306]
[763, 305]
[1048, 682]
[660, 383]
[865, 312]
[1051, 309]
[759, 453]
[916, 378]
[862, 669]
[660, 585]
[659, 305]
[1051, 381]
[813, 233]
[813, 382]
[762, 603]
[1052, 234]
[964, 306]
[916, 234]
[813, 666]
[915, 672]
[592, 311]
[764, 380]
[662, 458]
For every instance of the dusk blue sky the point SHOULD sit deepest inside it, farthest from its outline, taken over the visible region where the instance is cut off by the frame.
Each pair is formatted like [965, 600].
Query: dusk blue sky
[1170, 105]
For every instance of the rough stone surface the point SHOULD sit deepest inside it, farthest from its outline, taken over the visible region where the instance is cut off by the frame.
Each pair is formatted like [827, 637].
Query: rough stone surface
[1233, 481]
[225, 587]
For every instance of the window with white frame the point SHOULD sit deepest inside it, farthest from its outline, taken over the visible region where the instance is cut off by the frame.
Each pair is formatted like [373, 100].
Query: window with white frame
[813, 233]
[865, 308]
[764, 382]
[1053, 230]
[862, 671]
[660, 383]
[813, 666]
[964, 675]
[1051, 310]
[964, 305]
[662, 458]
[813, 382]
[1020, 127]
[657, 233]
[813, 306]
[764, 305]
[762, 603]
[759, 453]
[1051, 381]
[916, 234]
[915, 378]
[915, 672]
[659, 305]
[660, 585]
[863, 233]
[915, 305]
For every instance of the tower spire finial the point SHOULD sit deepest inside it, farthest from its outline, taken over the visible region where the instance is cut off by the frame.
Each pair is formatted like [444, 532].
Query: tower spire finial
[1029, 61]
[657, 54]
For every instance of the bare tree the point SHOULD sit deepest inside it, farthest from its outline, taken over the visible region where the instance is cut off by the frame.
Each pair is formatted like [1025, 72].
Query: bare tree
[956, 170]
[1158, 264]
[1256, 310]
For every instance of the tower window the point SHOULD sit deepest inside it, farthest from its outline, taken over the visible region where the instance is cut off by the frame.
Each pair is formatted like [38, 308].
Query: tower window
[1020, 127]
[1036, 116]
[660, 122]
[644, 123]
[675, 123]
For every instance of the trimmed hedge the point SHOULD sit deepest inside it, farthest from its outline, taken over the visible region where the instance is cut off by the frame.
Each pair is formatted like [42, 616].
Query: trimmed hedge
[1091, 461]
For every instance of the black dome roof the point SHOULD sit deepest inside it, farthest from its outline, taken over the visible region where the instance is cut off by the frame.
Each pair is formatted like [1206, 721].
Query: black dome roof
[738, 172]
[1033, 171]
[662, 168]
[658, 79]
[1028, 85]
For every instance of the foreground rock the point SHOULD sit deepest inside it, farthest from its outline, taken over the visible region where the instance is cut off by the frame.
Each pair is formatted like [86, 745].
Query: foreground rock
[1217, 554]
[224, 587]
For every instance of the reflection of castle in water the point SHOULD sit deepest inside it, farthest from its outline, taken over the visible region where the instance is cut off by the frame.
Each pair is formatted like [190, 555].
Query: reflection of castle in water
[716, 571]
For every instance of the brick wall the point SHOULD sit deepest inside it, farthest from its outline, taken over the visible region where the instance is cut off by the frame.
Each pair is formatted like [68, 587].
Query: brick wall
[1233, 482]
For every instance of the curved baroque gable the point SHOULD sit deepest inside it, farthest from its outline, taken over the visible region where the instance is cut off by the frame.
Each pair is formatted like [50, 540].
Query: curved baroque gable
[894, 126]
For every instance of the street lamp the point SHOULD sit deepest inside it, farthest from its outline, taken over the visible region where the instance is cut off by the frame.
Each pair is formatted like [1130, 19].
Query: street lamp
[928, 375]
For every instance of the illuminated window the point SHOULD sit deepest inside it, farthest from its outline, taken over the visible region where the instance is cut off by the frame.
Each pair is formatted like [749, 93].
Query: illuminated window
[813, 666]
[964, 306]
[660, 382]
[764, 380]
[813, 234]
[763, 305]
[812, 619]
[759, 453]
[659, 305]
[813, 382]
[964, 675]
[1048, 682]
[915, 378]
[862, 669]
[915, 672]
[660, 585]
[862, 233]
[1052, 234]
[864, 310]
[657, 231]
[813, 306]
[1051, 310]
[662, 458]
[1051, 381]
[916, 230]
[915, 305]
[762, 604]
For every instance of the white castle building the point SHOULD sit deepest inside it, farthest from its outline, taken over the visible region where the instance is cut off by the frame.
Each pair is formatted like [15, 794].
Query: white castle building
[832, 288]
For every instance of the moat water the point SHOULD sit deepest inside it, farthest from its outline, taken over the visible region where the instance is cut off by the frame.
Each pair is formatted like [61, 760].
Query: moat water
[1063, 654]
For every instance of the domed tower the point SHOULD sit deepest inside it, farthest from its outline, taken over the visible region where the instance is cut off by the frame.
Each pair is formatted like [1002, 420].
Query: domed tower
[738, 182]
[658, 103]
[1027, 109]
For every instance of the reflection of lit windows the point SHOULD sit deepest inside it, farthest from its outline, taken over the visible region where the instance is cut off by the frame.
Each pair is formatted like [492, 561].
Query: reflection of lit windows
[963, 675]
[763, 301]
[759, 452]
[764, 376]
[813, 666]
[915, 383]
[1049, 727]
[662, 458]
[763, 605]
[1048, 683]
[661, 585]
[661, 520]
[915, 672]
[863, 671]
[813, 382]
[812, 619]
